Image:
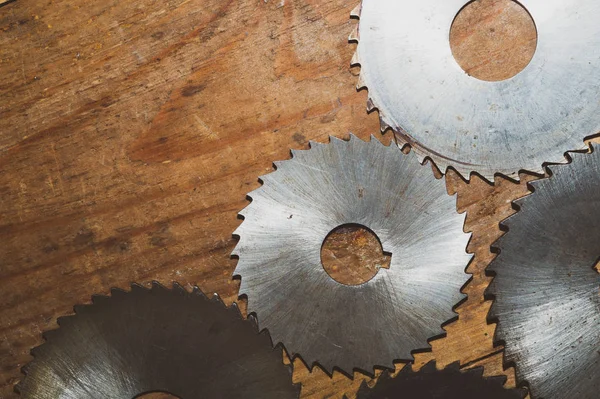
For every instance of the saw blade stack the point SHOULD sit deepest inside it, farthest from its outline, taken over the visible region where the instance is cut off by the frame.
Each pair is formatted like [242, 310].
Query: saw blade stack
[545, 285]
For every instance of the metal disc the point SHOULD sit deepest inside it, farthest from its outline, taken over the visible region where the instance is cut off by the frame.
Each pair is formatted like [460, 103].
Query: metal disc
[154, 340]
[431, 383]
[546, 290]
[352, 182]
[472, 125]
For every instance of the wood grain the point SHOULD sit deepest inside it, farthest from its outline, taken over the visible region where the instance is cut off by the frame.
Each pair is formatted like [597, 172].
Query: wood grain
[493, 40]
[130, 133]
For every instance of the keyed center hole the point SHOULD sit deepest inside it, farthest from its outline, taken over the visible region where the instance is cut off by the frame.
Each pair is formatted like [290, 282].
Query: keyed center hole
[352, 254]
[493, 40]
[156, 395]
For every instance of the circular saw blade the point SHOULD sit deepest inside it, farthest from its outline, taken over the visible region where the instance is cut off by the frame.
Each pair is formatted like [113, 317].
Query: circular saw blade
[472, 125]
[336, 325]
[156, 340]
[431, 383]
[546, 289]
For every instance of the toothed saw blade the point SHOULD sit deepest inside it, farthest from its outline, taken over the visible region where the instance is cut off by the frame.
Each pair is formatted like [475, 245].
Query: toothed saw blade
[352, 182]
[156, 339]
[473, 125]
[431, 383]
[546, 290]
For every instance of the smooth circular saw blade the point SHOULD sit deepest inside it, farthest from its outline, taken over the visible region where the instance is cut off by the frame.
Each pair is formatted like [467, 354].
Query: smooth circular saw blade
[547, 298]
[431, 383]
[336, 325]
[150, 340]
[472, 125]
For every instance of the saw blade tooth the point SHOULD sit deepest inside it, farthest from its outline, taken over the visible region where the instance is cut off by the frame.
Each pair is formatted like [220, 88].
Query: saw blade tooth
[254, 195]
[157, 287]
[504, 225]
[419, 155]
[217, 299]
[478, 371]
[67, 321]
[455, 366]
[117, 293]
[268, 178]
[243, 213]
[178, 288]
[370, 105]
[25, 370]
[138, 289]
[354, 35]
[78, 309]
[48, 336]
[266, 337]
[279, 164]
[384, 125]
[497, 379]
[252, 319]
[536, 183]
[356, 10]
[430, 367]
[355, 60]
[238, 248]
[510, 357]
[353, 139]
[100, 299]
[39, 350]
[360, 83]
[315, 145]
[234, 308]
[17, 386]
[491, 290]
[336, 141]
[373, 139]
[298, 155]
[243, 290]
[519, 202]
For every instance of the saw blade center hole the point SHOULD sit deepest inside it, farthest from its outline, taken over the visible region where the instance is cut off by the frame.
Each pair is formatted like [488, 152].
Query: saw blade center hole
[493, 40]
[156, 395]
[352, 254]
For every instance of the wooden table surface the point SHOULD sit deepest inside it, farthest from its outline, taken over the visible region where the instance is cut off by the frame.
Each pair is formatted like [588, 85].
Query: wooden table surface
[131, 131]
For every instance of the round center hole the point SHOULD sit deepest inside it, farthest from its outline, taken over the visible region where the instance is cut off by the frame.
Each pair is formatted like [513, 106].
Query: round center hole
[352, 254]
[156, 395]
[493, 40]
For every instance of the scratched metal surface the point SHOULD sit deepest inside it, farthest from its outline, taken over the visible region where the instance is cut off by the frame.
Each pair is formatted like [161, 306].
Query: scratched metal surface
[352, 326]
[157, 339]
[546, 287]
[473, 125]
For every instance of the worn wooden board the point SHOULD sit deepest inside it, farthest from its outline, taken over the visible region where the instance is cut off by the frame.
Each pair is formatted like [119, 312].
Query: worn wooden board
[130, 133]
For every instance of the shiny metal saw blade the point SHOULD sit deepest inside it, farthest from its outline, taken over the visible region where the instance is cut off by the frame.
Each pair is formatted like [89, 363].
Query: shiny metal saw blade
[431, 383]
[546, 290]
[156, 340]
[472, 125]
[342, 326]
